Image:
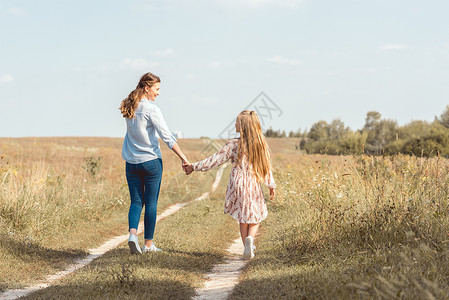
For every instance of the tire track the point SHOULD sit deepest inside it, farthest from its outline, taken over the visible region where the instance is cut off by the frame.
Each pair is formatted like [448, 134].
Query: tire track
[101, 250]
[224, 277]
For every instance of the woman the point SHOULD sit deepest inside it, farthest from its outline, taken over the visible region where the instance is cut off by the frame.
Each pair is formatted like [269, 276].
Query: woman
[143, 157]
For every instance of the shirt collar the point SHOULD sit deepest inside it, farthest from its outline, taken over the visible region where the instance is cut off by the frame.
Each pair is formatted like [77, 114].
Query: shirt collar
[146, 99]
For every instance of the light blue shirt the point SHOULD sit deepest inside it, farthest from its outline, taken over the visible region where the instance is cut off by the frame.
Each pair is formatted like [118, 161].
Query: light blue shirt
[141, 143]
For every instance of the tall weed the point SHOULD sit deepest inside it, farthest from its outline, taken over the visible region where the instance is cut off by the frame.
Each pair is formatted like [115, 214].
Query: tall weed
[391, 209]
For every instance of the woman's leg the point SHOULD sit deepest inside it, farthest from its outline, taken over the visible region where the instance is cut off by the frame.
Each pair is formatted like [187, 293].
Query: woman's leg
[135, 185]
[244, 231]
[153, 178]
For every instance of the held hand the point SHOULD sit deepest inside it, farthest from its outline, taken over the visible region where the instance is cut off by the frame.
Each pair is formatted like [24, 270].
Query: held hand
[185, 163]
[272, 193]
[188, 169]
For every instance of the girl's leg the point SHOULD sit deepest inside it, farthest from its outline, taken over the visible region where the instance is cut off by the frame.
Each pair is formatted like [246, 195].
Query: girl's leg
[243, 231]
[153, 178]
[253, 228]
[248, 229]
[135, 185]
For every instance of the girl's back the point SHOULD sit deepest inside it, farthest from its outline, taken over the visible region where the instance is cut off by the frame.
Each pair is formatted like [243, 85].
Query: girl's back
[251, 158]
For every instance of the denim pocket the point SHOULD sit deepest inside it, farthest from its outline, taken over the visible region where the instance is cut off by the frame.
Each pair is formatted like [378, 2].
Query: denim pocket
[153, 166]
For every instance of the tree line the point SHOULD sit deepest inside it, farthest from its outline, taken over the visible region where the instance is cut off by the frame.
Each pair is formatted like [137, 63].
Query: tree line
[378, 136]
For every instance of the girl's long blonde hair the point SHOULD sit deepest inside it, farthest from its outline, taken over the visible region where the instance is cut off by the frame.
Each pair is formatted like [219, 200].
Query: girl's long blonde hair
[129, 105]
[253, 145]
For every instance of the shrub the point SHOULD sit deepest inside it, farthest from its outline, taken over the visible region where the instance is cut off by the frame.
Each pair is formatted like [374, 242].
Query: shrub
[92, 165]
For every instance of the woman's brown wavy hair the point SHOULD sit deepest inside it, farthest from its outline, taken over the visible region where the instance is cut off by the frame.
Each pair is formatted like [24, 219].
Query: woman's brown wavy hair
[253, 145]
[131, 102]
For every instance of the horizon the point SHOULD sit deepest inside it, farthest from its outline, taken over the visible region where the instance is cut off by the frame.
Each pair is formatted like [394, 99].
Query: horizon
[66, 66]
[218, 137]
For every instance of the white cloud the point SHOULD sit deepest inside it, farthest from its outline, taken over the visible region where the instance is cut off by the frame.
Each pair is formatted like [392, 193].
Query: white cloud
[16, 11]
[388, 47]
[219, 64]
[281, 60]
[377, 69]
[145, 6]
[284, 3]
[308, 52]
[165, 52]
[266, 3]
[204, 100]
[137, 64]
[214, 65]
[6, 78]
[142, 6]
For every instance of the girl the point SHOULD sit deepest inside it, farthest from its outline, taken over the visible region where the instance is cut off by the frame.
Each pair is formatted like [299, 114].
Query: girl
[251, 158]
[143, 157]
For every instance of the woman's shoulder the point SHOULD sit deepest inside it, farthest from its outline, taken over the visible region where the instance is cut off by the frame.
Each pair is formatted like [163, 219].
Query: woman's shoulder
[149, 107]
[147, 103]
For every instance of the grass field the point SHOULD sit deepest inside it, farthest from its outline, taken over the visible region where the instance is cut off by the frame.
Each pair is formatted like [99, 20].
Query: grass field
[354, 228]
[61, 196]
[345, 227]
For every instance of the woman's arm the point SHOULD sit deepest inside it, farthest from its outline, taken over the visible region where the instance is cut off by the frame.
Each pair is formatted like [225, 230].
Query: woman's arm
[161, 127]
[181, 155]
[164, 133]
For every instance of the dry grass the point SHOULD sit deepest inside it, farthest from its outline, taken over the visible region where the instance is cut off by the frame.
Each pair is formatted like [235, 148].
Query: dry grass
[340, 227]
[61, 196]
[354, 228]
[193, 241]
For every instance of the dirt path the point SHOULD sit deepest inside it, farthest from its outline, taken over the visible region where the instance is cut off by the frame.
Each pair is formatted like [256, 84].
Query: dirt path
[100, 251]
[223, 277]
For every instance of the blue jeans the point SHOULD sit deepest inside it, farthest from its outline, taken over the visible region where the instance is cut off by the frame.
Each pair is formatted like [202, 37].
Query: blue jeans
[144, 182]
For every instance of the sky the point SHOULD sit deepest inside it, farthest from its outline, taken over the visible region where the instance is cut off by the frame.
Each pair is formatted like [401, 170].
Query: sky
[66, 65]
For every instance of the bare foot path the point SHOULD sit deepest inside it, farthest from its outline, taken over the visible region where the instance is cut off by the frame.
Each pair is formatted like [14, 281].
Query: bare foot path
[100, 251]
[223, 277]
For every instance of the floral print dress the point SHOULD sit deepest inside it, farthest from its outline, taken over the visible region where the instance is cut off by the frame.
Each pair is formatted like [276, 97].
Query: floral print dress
[244, 197]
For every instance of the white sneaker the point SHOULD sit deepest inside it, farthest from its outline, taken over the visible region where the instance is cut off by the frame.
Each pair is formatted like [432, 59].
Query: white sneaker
[133, 243]
[152, 248]
[248, 253]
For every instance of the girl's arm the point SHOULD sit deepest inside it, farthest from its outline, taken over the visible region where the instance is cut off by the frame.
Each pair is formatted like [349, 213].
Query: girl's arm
[269, 181]
[216, 159]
